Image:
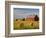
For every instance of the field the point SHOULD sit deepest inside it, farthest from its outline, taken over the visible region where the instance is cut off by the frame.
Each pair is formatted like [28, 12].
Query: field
[26, 24]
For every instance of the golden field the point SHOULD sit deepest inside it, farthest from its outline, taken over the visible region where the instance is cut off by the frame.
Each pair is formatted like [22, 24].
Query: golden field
[26, 24]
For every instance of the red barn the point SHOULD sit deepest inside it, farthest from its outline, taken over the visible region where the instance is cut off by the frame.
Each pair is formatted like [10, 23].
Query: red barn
[30, 17]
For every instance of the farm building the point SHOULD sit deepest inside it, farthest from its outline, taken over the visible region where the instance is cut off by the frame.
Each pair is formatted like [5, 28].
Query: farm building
[32, 18]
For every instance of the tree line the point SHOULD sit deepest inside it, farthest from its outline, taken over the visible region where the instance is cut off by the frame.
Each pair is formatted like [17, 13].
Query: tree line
[36, 18]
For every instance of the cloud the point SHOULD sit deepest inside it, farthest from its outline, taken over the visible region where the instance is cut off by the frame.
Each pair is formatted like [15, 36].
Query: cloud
[21, 13]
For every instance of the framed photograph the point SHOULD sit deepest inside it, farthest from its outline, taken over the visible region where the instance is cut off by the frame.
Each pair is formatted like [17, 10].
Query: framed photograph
[24, 18]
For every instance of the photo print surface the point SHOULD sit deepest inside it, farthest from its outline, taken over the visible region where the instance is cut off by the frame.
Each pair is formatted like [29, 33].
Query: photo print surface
[25, 18]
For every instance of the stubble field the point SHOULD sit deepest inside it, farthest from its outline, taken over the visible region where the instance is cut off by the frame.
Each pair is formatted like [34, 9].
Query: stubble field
[26, 25]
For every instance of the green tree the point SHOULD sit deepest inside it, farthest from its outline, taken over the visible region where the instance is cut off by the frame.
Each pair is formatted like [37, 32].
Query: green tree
[16, 19]
[23, 19]
[36, 18]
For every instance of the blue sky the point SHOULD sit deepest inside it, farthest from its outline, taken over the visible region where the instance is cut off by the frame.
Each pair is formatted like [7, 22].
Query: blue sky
[24, 12]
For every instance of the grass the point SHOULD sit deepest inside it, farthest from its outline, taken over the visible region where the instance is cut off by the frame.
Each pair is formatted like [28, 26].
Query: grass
[26, 25]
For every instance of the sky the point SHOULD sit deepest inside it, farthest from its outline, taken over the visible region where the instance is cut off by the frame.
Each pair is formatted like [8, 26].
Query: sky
[24, 12]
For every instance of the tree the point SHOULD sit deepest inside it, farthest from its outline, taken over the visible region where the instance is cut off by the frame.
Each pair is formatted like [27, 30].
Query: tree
[23, 19]
[36, 18]
[16, 19]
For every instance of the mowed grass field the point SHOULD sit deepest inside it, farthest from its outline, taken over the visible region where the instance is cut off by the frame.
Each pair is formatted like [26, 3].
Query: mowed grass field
[26, 25]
